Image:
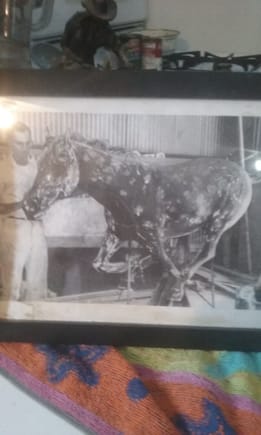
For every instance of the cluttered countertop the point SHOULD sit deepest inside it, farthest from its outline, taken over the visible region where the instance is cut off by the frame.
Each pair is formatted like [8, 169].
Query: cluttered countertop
[102, 35]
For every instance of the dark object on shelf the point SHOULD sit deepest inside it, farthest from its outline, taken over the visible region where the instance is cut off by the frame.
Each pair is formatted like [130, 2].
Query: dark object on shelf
[85, 34]
[104, 9]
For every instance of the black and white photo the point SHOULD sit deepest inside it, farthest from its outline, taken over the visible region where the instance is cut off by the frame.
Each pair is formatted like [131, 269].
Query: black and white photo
[146, 209]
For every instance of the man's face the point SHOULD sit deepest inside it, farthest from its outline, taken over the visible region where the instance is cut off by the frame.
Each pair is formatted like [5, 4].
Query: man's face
[21, 145]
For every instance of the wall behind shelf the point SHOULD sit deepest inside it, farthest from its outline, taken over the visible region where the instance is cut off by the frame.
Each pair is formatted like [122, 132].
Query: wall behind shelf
[230, 26]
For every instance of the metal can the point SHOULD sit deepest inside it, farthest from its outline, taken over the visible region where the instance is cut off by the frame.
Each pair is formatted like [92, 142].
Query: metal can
[157, 43]
[152, 54]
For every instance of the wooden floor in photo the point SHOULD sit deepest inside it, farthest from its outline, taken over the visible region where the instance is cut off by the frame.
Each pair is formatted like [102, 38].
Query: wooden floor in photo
[217, 288]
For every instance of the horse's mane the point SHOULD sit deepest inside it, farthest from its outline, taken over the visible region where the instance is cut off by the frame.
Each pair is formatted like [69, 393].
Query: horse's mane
[103, 146]
[80, 143]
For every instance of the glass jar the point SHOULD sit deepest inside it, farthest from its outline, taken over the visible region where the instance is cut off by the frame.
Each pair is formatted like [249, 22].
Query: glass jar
[15, 30]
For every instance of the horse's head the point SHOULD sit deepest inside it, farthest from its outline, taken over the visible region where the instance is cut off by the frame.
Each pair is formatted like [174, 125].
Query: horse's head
[58, 175]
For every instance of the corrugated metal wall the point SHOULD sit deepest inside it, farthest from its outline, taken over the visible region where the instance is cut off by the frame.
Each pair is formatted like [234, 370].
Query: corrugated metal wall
[228, 132]
[186, 135]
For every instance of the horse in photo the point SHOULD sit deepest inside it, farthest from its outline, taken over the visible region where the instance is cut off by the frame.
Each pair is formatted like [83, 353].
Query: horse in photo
[158, 206]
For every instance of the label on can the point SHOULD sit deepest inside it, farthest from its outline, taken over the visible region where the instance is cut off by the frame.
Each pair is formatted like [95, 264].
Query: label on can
[152, 54]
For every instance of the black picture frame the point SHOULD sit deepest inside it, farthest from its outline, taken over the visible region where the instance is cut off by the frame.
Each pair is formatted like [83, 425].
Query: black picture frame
[225, 88]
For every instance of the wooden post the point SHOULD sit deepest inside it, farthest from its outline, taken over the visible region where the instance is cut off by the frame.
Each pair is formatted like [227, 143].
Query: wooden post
[213, 289]
[129, 277]
[246, 219]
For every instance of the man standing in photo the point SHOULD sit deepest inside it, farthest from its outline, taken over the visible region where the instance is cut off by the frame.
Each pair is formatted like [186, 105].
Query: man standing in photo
[23, 249]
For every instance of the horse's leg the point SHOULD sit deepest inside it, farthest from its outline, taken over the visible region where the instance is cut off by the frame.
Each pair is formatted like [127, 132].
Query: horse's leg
[174, 291]
[172, 277]
[110, 246]
[170, 292]
[178, 290]
[257, 288]
[213, 231]
[165, 257]
[160, 290]
[171, 289]
[140, 264]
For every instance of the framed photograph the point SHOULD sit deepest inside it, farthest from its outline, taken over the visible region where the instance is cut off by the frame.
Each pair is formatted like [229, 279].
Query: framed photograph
[130, 208]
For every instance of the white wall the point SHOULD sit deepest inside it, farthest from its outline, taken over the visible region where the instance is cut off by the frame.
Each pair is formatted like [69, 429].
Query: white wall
[22, 414]
[221, 26]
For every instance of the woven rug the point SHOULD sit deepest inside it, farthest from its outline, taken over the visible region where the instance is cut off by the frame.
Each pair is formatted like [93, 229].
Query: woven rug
[140, 390]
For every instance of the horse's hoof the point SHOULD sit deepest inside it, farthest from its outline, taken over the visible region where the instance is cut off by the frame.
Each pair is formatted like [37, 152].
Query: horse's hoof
[182, 302]
[50, 294]
[97, 267]
[193, 285]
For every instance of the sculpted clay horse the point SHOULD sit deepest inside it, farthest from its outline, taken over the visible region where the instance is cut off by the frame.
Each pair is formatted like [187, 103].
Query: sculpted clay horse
[159, 207]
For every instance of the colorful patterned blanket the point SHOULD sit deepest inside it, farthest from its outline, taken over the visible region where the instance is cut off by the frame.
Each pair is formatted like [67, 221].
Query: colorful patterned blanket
[142, 391]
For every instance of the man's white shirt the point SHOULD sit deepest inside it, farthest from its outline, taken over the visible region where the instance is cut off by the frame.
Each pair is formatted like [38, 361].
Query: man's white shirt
[15, 180]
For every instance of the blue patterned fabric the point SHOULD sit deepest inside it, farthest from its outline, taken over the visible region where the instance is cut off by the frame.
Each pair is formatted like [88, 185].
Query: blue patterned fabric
[62, 360]
[211, 423]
